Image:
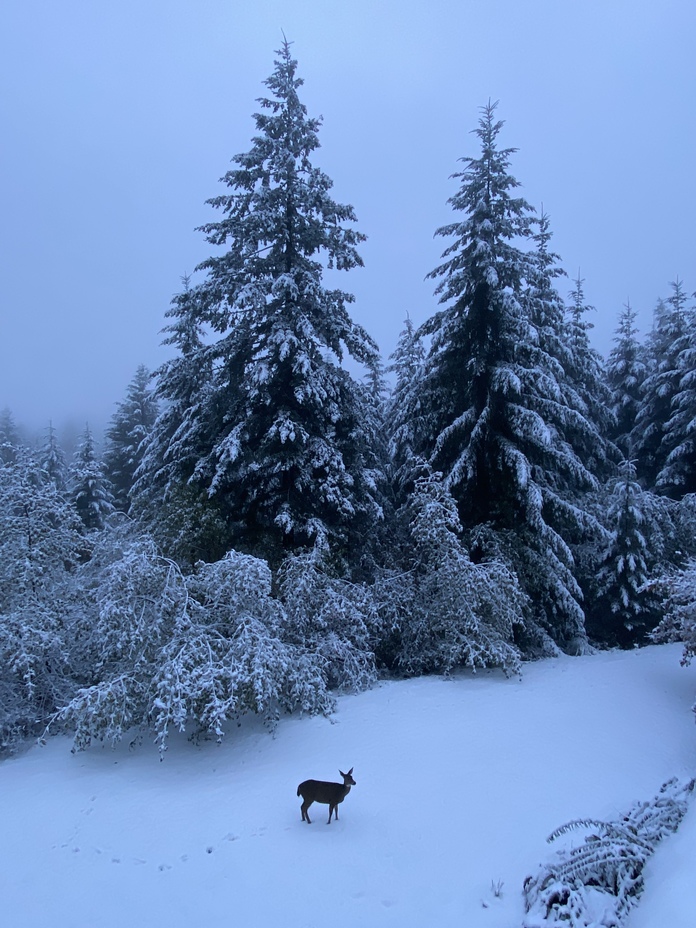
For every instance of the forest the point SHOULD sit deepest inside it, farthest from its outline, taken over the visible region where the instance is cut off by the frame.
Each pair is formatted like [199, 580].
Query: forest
[279, 515]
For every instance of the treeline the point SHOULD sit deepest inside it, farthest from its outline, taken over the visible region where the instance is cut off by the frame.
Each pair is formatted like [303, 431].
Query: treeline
[264, 528]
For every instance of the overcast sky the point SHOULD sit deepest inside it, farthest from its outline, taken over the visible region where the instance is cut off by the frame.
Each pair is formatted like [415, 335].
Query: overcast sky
[118, 118]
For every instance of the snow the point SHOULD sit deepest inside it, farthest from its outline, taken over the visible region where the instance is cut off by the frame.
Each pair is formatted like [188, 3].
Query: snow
[459, 782]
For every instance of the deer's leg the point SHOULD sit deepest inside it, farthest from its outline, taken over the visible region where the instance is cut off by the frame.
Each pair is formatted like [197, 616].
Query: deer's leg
[305, 812]
[331, 809]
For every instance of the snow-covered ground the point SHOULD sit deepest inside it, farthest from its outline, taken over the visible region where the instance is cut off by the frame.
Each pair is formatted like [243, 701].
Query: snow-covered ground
[459, 782]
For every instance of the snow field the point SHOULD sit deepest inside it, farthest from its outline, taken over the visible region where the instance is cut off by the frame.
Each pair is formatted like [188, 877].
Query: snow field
[459, 782]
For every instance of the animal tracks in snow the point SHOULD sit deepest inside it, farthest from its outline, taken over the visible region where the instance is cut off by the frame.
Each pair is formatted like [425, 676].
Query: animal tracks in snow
[125, 859]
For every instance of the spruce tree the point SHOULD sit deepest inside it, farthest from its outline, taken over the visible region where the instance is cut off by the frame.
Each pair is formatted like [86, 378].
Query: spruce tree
[404, 412]
[125, 437]
[626, 372]
[498, 417]
[89, 488]
[588, 378]
[9, 436]
[280, 439]
[661, 386]
[52, 460]
[678, 474]
[165, 497]
[625, 608]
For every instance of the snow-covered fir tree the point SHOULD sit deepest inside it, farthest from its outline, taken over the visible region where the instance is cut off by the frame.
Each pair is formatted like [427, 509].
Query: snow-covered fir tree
[9, 435]
[587, 375]
[626, 372]
[660, 387]
[624, 608]
[125, 437]
[678, 474]
[498, 421]
[279, 438]
[52, 460]
[404, 413]
[89, 488]
[177, 510]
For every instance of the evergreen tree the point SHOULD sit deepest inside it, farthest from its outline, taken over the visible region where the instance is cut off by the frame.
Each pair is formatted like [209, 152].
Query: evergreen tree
[404, 412]
[130, 425]
[52, 460]
[165, 496]
[279, 438]
[588, 378]
[626, 372]
[678, 474]
[498, 419]
[9, 436]
[89, 488]
[625, 609]
[661, 386]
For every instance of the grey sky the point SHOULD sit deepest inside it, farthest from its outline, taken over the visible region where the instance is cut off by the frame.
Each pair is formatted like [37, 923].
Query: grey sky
[117, 119]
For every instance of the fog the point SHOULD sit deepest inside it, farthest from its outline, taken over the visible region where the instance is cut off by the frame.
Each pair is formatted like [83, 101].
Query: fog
[118, 119]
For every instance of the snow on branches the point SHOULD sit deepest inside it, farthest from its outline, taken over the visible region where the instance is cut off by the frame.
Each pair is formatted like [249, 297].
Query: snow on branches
[596, 884]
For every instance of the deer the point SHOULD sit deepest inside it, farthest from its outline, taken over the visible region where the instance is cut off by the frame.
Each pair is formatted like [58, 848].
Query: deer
[322, 791]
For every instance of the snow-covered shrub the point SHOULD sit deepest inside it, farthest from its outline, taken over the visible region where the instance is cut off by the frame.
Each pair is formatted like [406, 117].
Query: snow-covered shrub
[679, 621]
[329, 617]
[167, 649]
[135, 596]
[456, 613]
[226, 657]
[597, 883]
[41, 546]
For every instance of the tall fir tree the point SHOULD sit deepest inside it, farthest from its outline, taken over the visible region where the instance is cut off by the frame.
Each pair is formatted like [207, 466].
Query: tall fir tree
[52, 460]
[404, 413]
[89, 488]
[678, 474]
[280, 439]
[624, 608]
[497, 414]
[626, 372]
[130, 426]
[588, 377]
[9, 436]
[174, 507]
[661, 386]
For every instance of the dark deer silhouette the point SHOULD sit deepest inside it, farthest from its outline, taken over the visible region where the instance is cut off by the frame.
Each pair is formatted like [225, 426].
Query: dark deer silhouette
[322, 791]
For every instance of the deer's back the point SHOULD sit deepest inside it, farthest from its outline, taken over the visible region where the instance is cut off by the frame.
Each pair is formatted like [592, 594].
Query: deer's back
[322, 791]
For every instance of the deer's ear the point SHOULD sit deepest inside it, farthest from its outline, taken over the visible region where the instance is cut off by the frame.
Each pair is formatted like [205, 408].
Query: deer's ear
[342, 773]
[350, 771]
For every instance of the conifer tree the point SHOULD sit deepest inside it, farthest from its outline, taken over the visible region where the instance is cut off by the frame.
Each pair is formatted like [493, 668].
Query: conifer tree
[588, 378]
[9, 436]
[626, 371]
[678, 474]
[498, 418]
[130, 425]
[52, 460]
[279, 438]
[404, 412]
[165, 497]
[625, 609]
[89, 488]
[661, 386]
